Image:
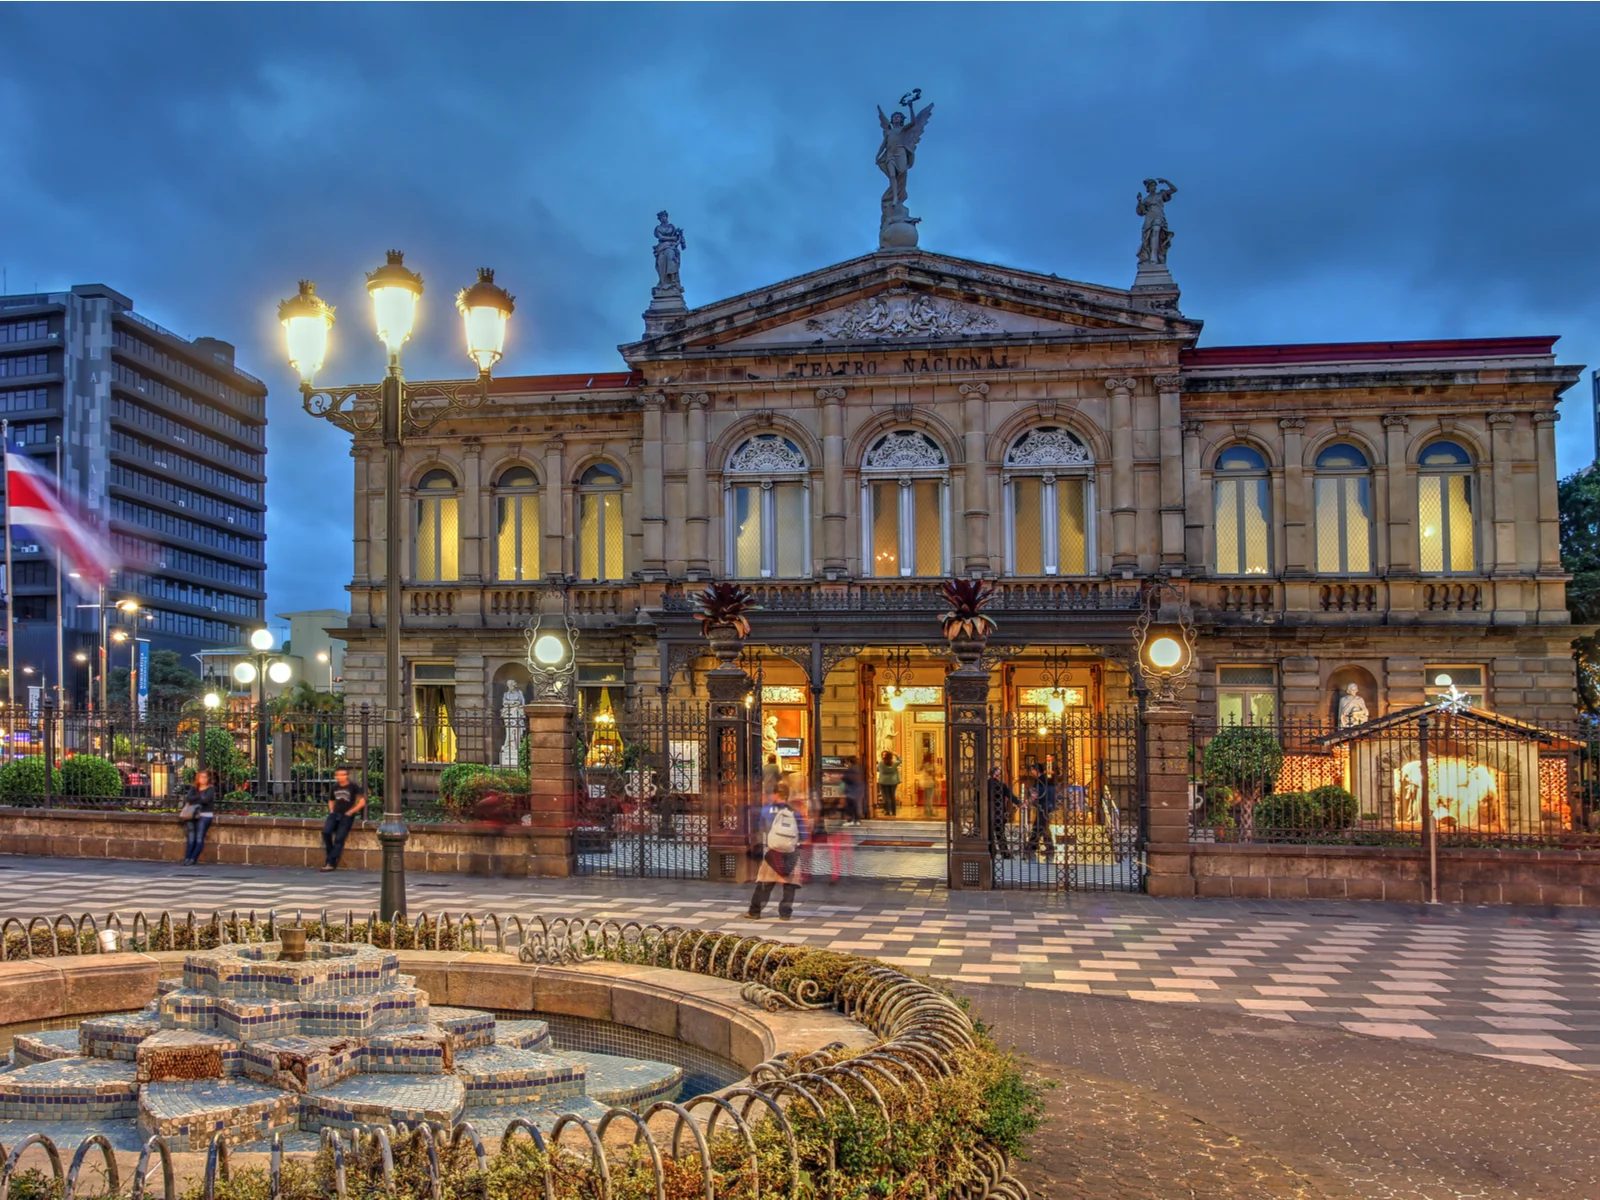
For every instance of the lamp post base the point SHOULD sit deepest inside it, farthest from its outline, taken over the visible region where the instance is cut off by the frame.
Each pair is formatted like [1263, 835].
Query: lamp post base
[392, 835]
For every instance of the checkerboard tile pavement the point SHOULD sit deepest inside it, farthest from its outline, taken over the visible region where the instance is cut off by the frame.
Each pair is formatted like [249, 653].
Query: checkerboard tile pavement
[1499, 983]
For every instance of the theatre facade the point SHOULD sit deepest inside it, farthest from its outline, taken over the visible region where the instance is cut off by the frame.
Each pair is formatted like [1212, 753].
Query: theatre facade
[1381, 514]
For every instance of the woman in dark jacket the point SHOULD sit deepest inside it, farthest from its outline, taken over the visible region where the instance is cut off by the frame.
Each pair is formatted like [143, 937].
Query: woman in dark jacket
[199, 810]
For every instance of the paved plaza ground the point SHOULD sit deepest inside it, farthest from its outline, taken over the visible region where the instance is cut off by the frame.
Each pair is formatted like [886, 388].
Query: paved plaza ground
[1200, 1048]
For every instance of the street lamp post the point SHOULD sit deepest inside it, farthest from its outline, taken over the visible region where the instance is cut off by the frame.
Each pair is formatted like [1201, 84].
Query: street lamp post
[326, 660]
[257, 669]
[391, 409]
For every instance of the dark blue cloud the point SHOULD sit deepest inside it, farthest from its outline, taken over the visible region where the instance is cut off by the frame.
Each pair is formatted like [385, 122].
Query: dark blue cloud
[1345, 172]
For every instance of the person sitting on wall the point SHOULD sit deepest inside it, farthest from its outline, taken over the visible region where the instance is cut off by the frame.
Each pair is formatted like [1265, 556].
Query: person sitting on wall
[348, 801]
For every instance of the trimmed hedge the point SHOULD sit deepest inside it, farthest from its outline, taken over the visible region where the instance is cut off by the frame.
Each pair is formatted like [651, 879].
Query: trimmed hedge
[26, 777]
[90, 775]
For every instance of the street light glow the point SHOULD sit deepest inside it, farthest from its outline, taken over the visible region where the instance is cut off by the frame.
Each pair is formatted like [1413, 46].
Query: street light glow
[212, 700]
[307, 320]
[261, 639]
[279, 672]
[395, 292]
[1165, 653]
[245, 672]
[485, 310]
[549, 649]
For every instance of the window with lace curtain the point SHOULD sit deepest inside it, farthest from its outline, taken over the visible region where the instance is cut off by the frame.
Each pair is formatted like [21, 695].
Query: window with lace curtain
[438, 543]
[1049, 499]
[1242, 512]
[1446, 538]
[905, 506]
[600, 524]
[516, 525]
[768, 511]
[1343, 496]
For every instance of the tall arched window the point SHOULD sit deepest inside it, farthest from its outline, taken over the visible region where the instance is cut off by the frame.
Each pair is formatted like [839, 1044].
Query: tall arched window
[1344, 511]
[1049, 499]
[600, 524]
[438, 528]
[516, 516]
[1444, 510]
[1244, 542]
[768, 519]
[905, 506]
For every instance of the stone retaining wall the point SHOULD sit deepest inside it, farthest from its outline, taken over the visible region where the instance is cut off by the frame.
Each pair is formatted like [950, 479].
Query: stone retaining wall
[278, 841]
[1545, 877]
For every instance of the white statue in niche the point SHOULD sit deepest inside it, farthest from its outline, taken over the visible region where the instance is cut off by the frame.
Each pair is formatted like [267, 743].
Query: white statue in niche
[1352, 708]
[769, 733]
[511, 713]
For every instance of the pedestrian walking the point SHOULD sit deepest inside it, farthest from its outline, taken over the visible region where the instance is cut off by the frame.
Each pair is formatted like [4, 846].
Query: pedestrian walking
[348, 801]
[198, 811]
[782, 831]
[888, 782]
[928, 784]
[1002, 804]
[771, 776]
[830, 832]
[1042, 795]
[855, 791]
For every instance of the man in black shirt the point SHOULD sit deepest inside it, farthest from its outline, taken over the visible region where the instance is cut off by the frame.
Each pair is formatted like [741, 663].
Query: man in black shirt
[349, 801]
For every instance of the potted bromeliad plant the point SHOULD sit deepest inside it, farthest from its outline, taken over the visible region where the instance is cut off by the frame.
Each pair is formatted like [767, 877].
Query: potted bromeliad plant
[722, 609]
[966, 626]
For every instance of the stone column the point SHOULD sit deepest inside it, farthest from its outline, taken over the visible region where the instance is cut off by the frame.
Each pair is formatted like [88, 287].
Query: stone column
[835, 562]
[1196, 504]
[1124, 508]
[1295, 513]
[475, 564]
[975, 438]
[966, 756]
[1502, 495]
[699, 514]
[729, 772]
[1544, 440]
[553, 781]
[552, 514]
[1170, 413]
[652, 488]
[1166, 799]
[1402, 504]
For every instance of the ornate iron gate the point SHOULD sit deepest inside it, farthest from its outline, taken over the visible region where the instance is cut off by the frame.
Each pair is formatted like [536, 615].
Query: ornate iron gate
[1066, 806]
[645, 802]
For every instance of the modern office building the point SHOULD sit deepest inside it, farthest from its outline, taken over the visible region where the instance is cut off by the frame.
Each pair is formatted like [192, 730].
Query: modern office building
[163, 440]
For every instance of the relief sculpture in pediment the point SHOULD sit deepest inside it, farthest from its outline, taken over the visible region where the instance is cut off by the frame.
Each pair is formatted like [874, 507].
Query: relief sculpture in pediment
[903, 314]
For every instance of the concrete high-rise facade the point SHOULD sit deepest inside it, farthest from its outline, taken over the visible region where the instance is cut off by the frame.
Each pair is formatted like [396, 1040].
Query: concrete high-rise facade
[163, 441]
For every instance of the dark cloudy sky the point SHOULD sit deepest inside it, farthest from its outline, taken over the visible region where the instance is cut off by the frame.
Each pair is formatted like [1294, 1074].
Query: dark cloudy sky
[1345, 172]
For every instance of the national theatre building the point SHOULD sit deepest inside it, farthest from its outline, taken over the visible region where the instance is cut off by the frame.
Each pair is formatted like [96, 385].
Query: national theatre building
[1381, 514]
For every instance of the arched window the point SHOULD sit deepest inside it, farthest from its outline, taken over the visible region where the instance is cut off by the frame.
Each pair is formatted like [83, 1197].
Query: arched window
[1343, 494]
[1444, 510]
[600, 524]
[768, 519]
[1049, 499]
[438, 528]
[1244, 542]
[516, 524]
[905, 506]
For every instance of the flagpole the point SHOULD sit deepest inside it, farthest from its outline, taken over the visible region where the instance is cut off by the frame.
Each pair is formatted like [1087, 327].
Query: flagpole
[11, 579]
[61, 654]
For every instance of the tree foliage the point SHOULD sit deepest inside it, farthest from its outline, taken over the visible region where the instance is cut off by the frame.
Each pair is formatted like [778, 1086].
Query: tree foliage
[1579, 497]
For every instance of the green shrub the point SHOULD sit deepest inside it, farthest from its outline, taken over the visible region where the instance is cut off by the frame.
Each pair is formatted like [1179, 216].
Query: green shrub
[26, 777]
[1289, 810]
[1339, 807]
[1245, 758]
[456, 774]
[90, 775]
[239, 798]
[499, 782]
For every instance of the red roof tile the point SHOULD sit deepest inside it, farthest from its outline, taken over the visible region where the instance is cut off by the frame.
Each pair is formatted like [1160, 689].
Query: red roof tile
[1337, 352]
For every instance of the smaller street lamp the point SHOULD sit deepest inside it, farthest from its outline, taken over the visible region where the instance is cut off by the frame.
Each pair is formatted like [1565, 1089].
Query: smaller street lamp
[257, 669]
[326, 660]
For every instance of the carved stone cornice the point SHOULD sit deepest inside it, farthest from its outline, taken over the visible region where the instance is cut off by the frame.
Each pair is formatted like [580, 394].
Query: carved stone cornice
[765, 417]
[975, 389]
[1121, 383]
[1193, 428]
[1168, 383]
[830, 393]
[1501, 418]
[652, 399]
[1390, 422]
[555, 443]
[695, 399]
[1547, 416]
[1288, 423]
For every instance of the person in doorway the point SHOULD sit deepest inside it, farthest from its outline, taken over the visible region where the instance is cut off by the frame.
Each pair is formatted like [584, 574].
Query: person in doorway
[198, 811]
[771, 776]
[888, 782]
[928, 784]
[1042, 795]
[1002, 804]
[348, 801]
[855, 791]
[781, 827]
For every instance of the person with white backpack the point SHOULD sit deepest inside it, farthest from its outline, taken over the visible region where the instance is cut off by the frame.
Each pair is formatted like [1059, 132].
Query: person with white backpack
[781, 830]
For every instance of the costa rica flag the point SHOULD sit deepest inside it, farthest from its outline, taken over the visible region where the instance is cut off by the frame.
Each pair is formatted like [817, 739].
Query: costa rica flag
[32, 504]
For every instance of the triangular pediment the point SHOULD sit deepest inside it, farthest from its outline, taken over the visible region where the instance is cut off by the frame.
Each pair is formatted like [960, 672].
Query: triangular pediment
[893, 300]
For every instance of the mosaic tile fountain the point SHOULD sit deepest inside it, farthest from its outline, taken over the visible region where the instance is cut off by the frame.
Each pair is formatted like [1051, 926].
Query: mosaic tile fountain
[249, 1044]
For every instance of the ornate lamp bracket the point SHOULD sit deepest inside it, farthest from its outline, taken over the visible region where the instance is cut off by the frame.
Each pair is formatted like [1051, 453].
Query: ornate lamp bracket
[553, 683]
[1161, 683]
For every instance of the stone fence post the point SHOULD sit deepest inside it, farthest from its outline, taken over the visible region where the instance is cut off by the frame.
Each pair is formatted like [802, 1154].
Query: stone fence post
[728, 777]
[553, 782]
[1167, 736]
[966, 756]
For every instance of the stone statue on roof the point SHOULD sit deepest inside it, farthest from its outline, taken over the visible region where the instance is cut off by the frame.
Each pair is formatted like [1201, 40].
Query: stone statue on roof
[1155, 237]
[896, 156]
[670, 244]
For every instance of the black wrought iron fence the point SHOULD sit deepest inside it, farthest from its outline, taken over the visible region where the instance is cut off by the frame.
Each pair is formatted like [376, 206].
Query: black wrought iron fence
[1480, 779]
[1065, 800]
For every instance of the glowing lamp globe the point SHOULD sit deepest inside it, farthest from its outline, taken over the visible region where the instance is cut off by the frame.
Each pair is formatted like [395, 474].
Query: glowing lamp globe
[245, 672]
[306, 319]
[897, 702]
[485, 311]
[279, 672]
[549, 650]
[1165, 653]
[212, 700]
[395, 291]
[1057, 705]
[261, 639]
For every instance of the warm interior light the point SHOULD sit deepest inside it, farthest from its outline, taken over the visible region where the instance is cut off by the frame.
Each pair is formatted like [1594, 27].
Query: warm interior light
[1057, 705]
[279, 672]
[212, 700]
[128, 605]
[749, 699]
[322, 656]
[80, 656]
[1165, 653]
[245, 672]
[1442, 680]
[306, 321]
[485, 311]
[549, 649]
[897, 702]
[394, 291]
[118, 636]
[261, 639]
